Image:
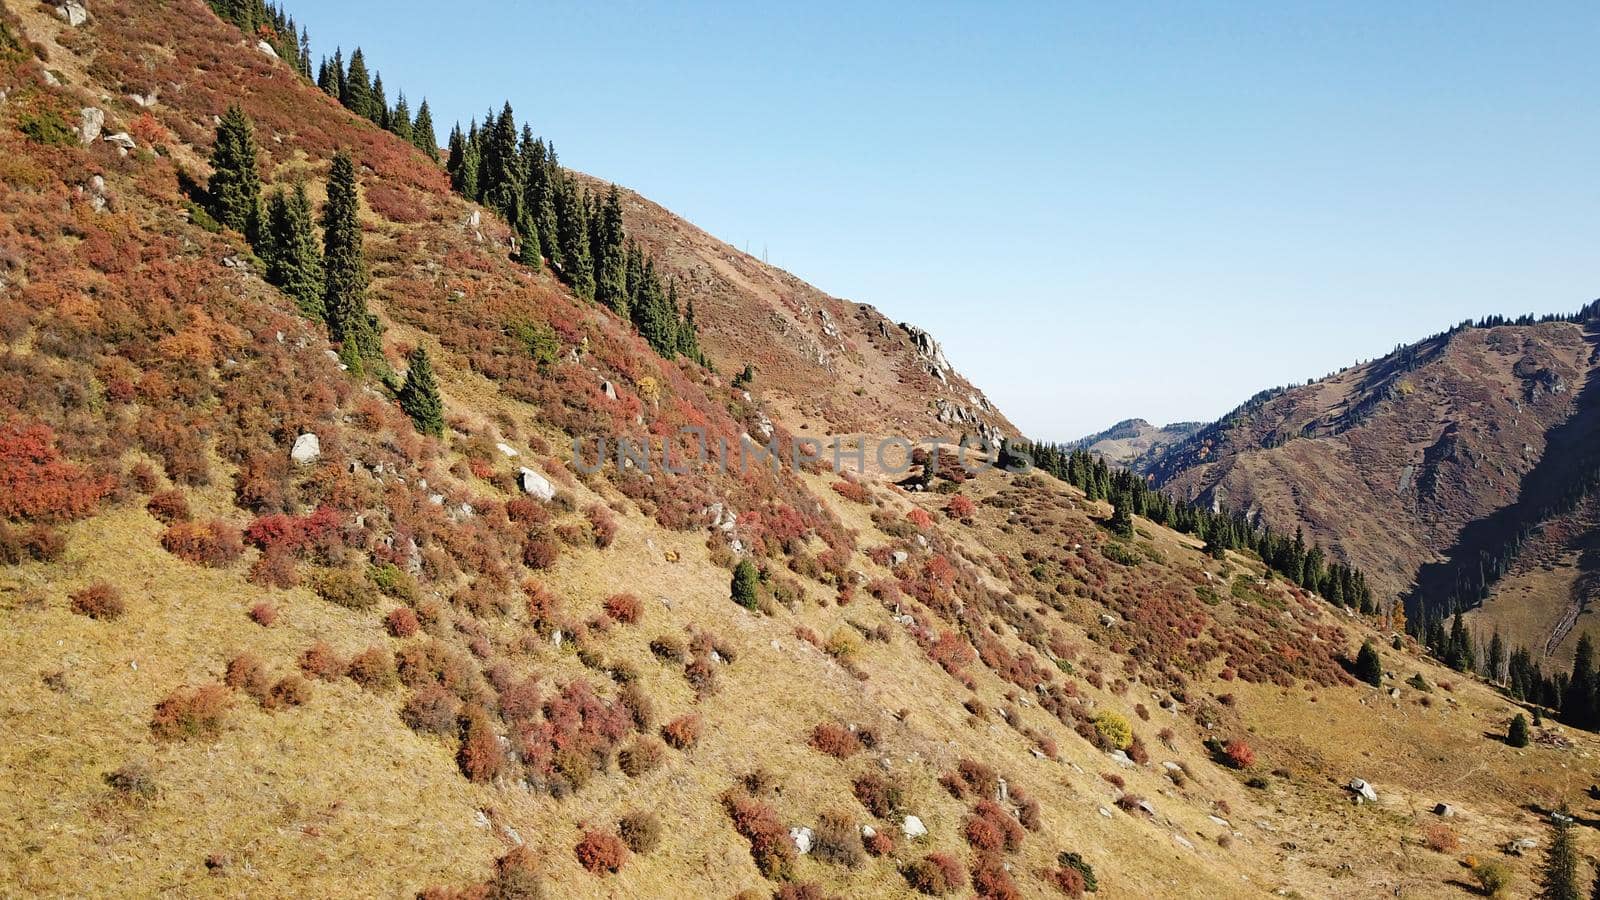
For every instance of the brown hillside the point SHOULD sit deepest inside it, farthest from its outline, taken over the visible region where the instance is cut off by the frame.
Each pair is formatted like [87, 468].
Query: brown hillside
[457, 666]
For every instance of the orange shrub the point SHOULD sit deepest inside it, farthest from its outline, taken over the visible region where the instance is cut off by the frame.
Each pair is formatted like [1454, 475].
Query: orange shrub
[936, 874]
[1440, 838]
[480, 756]
[1239, 754]
[625, 608]
[191, 712]
[215, 543]
[98, 601]
[602, 852]
[683, 732]
[770, 845]
[401, 622]
[264, 614]
[35, 483]
[837, 741]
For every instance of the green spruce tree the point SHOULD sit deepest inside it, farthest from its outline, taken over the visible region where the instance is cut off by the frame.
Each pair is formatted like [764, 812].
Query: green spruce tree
[573, 236]
[344, 297]
[1517, 734]
[399, 120]
[294, 264]
[1122, 514]
[378, 106]
[1559, 879]
[355, 91]
[235, 186]
[1369, 666]
[419, 396]
[746, 585]
[422, 132]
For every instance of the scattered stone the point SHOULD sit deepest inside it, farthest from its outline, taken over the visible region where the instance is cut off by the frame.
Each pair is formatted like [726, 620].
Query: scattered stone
[898, 557]
[1521, 845]
[1146, 807]
[307, 448]
[868, 832]
[913, 828]
[1182, 841]
[1108, 620]
[802, 839]
[609, 389]
[1363, 790]
[1445, 810]
[72, 13]
[1171, 766]
[90, 122]
[436, 499]
[1120, 757]
[266, 48]
[507, 450]
[536, 485]
[1104, 813]
[1394, 693]
[144, 101]
[122, 140]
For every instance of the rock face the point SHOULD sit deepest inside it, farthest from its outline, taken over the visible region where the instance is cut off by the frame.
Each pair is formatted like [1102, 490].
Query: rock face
[90, 121]
[307, 449]
[72, 13]
[535, 485]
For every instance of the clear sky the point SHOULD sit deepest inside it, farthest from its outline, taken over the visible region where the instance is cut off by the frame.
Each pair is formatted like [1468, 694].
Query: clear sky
[1102, 210]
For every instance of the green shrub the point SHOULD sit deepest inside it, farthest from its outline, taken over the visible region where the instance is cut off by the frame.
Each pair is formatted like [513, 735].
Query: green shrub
[346, 589]
[47, 127]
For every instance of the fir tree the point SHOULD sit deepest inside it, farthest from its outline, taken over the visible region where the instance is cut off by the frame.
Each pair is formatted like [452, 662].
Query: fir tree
[422, 132]
[1369, 667]
[610, 261]
[326, 80]
[305, 53]
[1577, 703]
[573, 238]
[378, 107]
[344, 295]
[399, 120]
[1559, 879]
[293, 261]
[355, 91]
[419, 396]
[1517, 734]
[1497, 657]
[746, 582]
[235, 186]
[499, 177]
[1122, 515]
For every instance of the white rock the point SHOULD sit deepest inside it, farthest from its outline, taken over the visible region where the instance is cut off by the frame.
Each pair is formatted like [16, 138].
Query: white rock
[868, 832]
[266, 48]
[610, 390]
[476, 219]
[121, 139]
[1120, 758]
[307, 448]
[1108, 620]
[1218, 820]
[1182, 841]
[436, 499]
[507, 450]
[802, 838]
[90, 121]
[72, 13]
[1104, 813]
[1445, 810]
[1364, 790]
[898, 557]
[536, 485]
[913, 827]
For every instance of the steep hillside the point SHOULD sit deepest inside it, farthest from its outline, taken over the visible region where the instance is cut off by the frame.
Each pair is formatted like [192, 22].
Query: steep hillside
[833, 365]
[269, 635]
[1389, 463]
[1135, 443]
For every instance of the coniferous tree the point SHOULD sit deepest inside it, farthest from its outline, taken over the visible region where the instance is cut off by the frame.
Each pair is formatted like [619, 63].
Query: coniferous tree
[499, 180]
[1577, 702]
[1517, 734]
[419, 396]
[345, 271]
[610, 259]
[746, 582]
[399, 120]
[305, 52]
[294, 264]
[1122, 515]
[573, 237]
[378, 106]
[235, 186]
[1369, 667]
[355, 91]
[1497, 658]
[1559, 879]
[422, 132]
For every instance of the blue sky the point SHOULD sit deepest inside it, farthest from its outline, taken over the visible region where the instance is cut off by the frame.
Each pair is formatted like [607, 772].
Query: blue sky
[1101, 212]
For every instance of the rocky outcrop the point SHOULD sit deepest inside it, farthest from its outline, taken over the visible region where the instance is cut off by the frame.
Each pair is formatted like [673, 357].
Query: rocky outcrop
[307, 449]
[91, 121]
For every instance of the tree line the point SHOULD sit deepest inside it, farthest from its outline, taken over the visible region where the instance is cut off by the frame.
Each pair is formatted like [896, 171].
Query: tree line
[1130, 495]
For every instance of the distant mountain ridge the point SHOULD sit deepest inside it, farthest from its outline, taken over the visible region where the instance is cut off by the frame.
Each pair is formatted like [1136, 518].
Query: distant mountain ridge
[1135, 443]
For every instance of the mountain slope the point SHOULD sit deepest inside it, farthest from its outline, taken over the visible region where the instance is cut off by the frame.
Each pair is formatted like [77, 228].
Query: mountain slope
[451, 665]
[1135, 443]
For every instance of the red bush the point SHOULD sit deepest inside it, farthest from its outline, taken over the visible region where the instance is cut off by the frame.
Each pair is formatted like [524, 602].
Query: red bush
[881, 796]
[373, 669]
[991, 881]
[215, 543]
[402, 622]
[625, 608]
[168, 507]
[320, 661]
[835, 740]
[98, 601]
[247, 673]
[991, 829]
[480, 756]
[35, 483]
[191, 713]
[527, 511]
[854, 491]
[880, 844]
[264, 614]
[961, 507]
[431, 709]
[770, 845]
[541, 550]
[1240, 754]
[602, 852]
[683, 732]
[920, 518]
[290, 690]
[936, 874]
[603, 524]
